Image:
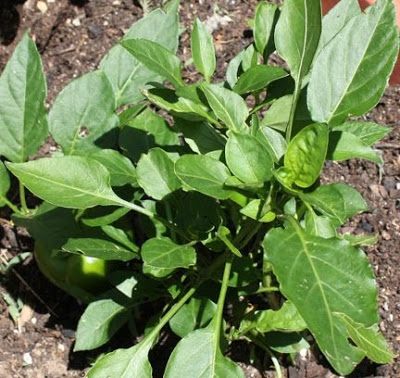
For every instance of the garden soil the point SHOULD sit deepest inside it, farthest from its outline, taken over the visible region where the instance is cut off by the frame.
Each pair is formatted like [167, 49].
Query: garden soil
[72, 37]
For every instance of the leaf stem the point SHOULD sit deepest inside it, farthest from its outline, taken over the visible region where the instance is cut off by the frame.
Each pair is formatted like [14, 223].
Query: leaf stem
[12, 206]
[22, 198]
[296, 96]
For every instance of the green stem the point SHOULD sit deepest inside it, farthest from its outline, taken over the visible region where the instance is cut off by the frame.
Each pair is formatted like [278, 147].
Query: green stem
[22, 198]
[12, 206]
[296, 96]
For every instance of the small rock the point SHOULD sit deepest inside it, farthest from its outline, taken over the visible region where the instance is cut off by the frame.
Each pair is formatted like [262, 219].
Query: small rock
[94, 31]
[76, 22]
[42, 6]
[27, 358]
[366, 227]
[379, 191]
[68, 333]
[389, 183]
[61, 347]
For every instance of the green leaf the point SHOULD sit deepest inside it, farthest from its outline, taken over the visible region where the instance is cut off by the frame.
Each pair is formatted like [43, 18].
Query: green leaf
[297, 34]
[125, 363]
[127, 75]
[264, 23]
[369, 340]
[273, 141]
[144, 132]
[351, 72]
[197, 313]
[204, 174]
[306, 153]
[248, 159]
[156, 58]
[344, 146]
[121, 236]
[232, 71]
[204, 358]
[338, 201]
[312, 273]
[156, 174]
[60, 181]
[100, 321]
[283, 342]
[23, 119]
[82, 118]
[257, 78]
[161, 256]
[277, 116]
[368, 132]
[203, 51]
[4, 184]
[254, 209]
[286, 319]
[319, 225]
[102, 216]
[99, 248]
[121, 169]
[223, 234]
[228, 106]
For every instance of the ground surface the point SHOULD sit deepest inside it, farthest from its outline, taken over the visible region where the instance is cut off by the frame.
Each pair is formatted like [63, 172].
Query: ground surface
[72, 37]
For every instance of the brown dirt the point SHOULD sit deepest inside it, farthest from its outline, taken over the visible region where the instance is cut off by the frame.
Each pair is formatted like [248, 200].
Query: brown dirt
[72, 37]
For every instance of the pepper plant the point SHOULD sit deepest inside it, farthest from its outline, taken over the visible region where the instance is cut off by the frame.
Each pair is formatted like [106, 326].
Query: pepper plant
[206, 197]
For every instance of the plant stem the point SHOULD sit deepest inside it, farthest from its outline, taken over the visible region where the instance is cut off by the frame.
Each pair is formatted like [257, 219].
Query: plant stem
[296, 96]
[22, 198]
[12, 206]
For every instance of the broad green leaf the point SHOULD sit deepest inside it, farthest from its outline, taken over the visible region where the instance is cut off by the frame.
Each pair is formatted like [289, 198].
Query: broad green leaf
[297, 34]
[197, 313]
[144, 132]
[254, 209]
[319, 225]
[344, 146]
[4, 183]
[99, 248]
[197, 355]
[121, 169]
[82, 119]
[130, 113]
[228, 106]
[204, 174]
[232, 71]
[102, 216]
[361, 240]
[125, 363]
[157, 58]
[286, 319]
[283, 342]
[100, 321]
[203, 50]
[257, 78]
[306, 153]
[351, 72]
[179, 106]
[250, 58]
[312, 273]
[277, 116]
[121, 236]
[368, 132]
[248, 159]
[201, 137]
[338, 201]
[273, 140]
[23, 119]
[161, 256]
[264, 22]
[71, 181]
[155, 174]
[369, 340]
[127, 75]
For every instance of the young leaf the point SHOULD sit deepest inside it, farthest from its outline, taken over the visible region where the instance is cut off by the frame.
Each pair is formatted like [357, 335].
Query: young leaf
[71, 181]
[161, 256]
[232, 72]
[337, 201]
[82, 119]
[204, 174]
[204, 360]
[203, 51]
[125, 363]
[156, 58]
[121, 169]
[248, 159]
[98, 248]
[344, 146]
[102, 216]
[312, 272]
[306, 153]
[273, 141]
[127, 75]
[277, 116]
[368, 132]
[297, 34]
[264, 22]
[369, 340]
[100, 321]
[156, 174]
[254, 210]
[4, 183]
[319, 225]
[120, 236]
[257, 78]
[337, 90]
[228, 106]
[197, 313]
[23, 119]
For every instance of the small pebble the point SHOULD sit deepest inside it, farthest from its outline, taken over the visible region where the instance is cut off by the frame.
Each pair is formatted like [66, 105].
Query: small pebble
[61, 347]
[42, 6]
[76, 22]
[33, 320]
[27, 358]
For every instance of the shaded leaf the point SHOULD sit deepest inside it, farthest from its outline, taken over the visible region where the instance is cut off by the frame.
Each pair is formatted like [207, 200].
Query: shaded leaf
[277, 116]
[264, 23]
[4, 183]
[368, 132]
[273, 140]
[255, 210]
